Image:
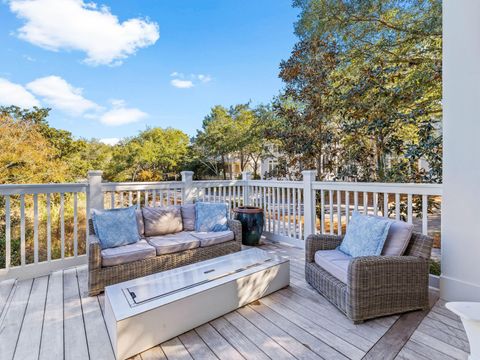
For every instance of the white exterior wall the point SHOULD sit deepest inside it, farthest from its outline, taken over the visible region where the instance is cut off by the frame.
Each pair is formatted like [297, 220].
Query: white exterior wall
[461, 185]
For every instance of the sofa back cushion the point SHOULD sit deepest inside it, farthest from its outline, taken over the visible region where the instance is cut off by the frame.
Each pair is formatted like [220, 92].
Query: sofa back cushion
[188, 217]
[115, 227]
[210, 217]
[365, 235]
[162, 220]
[398, 237]
[140, 223]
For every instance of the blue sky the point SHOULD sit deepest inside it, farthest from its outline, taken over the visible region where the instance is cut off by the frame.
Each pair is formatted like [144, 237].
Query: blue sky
[110, 72]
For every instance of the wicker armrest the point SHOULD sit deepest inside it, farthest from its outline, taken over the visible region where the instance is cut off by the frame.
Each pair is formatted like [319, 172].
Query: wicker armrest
[236, 227]
[320, 242]
[382, 284]
[94, 253]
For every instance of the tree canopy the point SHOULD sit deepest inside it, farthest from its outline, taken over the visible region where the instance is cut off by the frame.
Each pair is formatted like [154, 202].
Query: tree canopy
[363, 89]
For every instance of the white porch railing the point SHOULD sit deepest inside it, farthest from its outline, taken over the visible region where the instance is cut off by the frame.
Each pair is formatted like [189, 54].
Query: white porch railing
[43, 227]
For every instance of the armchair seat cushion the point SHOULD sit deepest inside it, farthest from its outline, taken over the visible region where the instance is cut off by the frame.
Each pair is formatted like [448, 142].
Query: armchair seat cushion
[213, 237]
[335, 262]
[127, 253]
[172, 243]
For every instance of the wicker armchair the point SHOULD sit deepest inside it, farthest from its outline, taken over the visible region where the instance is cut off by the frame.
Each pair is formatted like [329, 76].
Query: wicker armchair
[100, 276]
[377, 285]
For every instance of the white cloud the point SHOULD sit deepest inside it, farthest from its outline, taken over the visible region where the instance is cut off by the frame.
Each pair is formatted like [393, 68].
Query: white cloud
[120, 114]
[204, 78]
[59, 94]
[110, 141]
[75, 25]
[182, 84]
[15, 94]
[186, 82]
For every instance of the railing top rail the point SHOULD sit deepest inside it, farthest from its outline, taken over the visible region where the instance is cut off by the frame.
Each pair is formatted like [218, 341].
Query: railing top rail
[402, 188]
[209, 183]
[18, 189]
[137, 186]
[276, 183]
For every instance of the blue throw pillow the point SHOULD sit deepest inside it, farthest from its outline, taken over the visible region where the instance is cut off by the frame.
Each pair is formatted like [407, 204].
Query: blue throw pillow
[210, 217]
[115, 227]
[365, 235]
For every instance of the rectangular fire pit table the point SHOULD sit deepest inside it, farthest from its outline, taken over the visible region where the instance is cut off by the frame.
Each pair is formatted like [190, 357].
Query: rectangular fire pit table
[147, 311]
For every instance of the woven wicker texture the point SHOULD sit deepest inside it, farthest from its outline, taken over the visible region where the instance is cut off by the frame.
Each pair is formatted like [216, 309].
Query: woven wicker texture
[99, 277]
[377, 285]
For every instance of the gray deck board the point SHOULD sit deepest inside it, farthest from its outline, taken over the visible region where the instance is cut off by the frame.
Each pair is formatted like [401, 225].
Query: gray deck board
[28, 345]
[54, 318]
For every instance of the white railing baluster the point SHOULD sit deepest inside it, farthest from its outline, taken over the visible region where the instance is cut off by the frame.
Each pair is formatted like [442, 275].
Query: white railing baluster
[397, 206]
[75, 224]
[365, 203]
[112, 200]
[62, 225]
[424, 214]
[154, 198]
[35, 228]
[347, 207]
[49, 229]
[355, 200]
[139, 199]
[385, 205]
[283, 211]
[289, 227]
[121, 199]
[409, 209]
[8, 252]
[375, 203]
[270, 226]
[300, 217]
[130, 198]
[294, 208]
[339, 213]
[330, 210]
[22, 229]
[275, 210]
[322, 211]
[145, 193]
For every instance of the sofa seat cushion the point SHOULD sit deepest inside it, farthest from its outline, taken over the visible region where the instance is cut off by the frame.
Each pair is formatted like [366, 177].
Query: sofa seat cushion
[127, 253]
[213, 237]
[335, 262]
[172, 243]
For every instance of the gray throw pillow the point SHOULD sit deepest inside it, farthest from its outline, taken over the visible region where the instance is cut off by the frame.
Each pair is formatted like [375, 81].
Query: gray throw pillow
[188, 217]
[162, 220]
[140, 224]
[398, 238]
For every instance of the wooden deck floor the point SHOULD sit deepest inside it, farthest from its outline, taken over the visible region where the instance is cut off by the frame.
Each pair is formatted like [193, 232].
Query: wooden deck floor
[51, 317]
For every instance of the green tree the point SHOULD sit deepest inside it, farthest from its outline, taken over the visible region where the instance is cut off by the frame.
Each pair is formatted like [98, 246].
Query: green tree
[154, 154]
[364, 82]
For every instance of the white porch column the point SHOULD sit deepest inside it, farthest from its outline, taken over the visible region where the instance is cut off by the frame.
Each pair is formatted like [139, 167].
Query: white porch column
[95, 194]
[246, 175]
[460, 278]
[188, 189]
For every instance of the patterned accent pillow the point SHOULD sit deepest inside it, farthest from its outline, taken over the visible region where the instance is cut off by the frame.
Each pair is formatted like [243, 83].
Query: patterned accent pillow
[210, 217]
[365, 235]
[115, 227]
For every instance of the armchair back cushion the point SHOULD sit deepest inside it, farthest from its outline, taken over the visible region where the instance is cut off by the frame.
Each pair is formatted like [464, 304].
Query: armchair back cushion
[365, 235]
[116, 227]
[210, 217]
[162, 220]
[398, 238]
